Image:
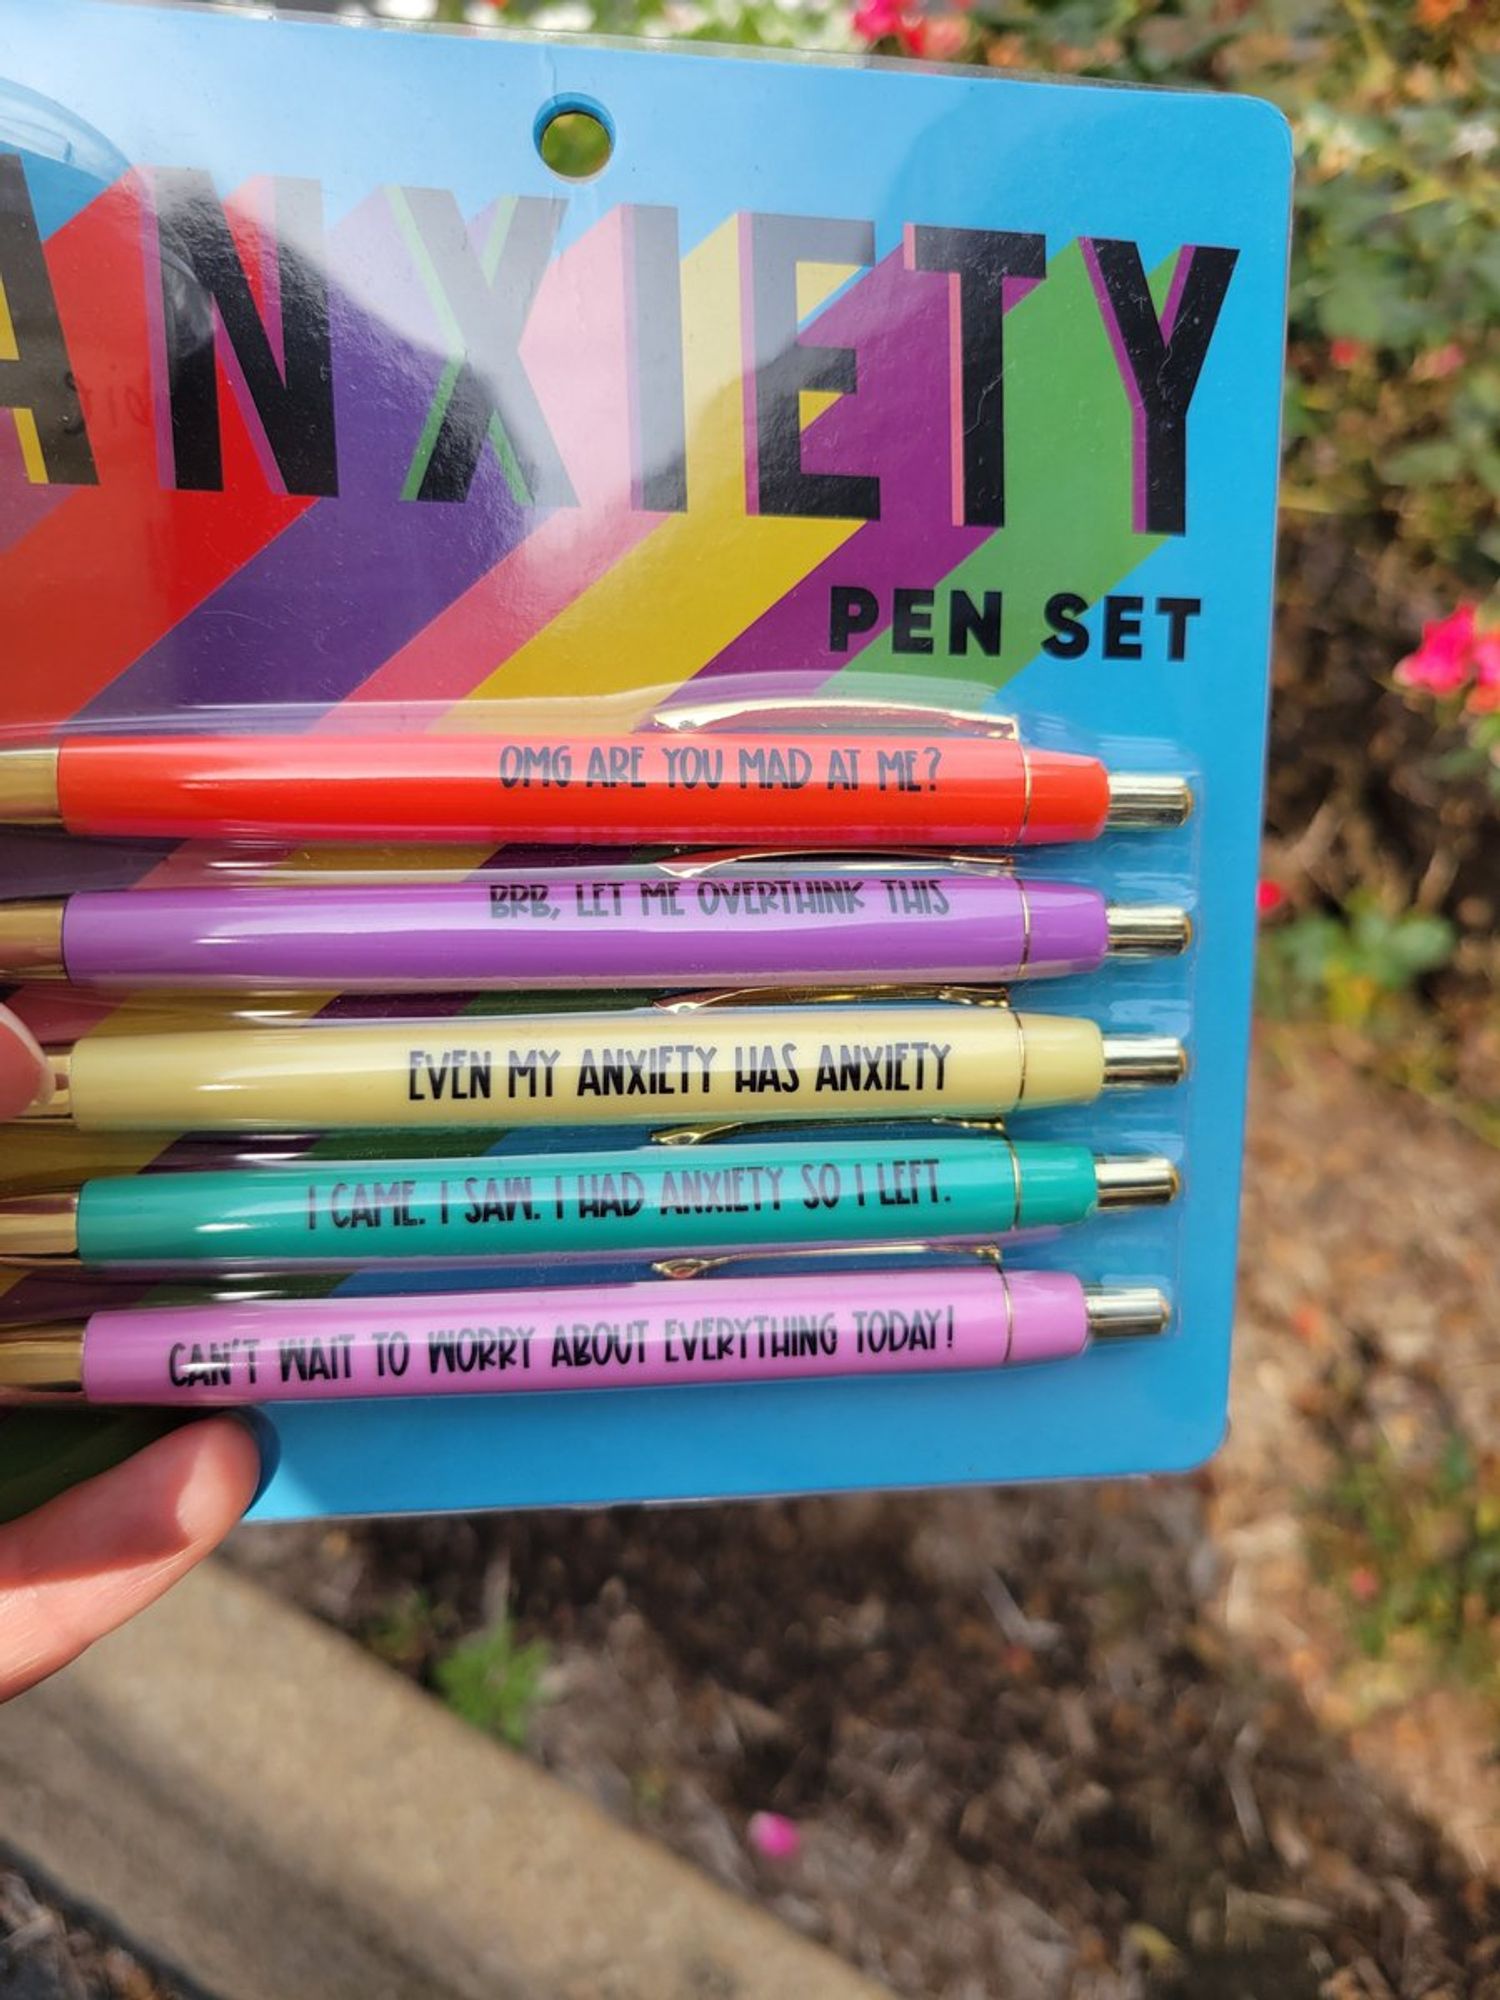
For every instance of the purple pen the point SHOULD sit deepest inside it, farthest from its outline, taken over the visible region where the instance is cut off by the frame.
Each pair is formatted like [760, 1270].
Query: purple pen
[652, 1335]
[664, 926]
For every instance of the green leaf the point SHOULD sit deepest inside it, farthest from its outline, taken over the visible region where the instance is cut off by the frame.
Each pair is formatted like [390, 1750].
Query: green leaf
[1297, 420]
[1430, 463]
[494, 1683]
[1353, 308]
[1485, 262]
[1416, 944]
[1481, 388]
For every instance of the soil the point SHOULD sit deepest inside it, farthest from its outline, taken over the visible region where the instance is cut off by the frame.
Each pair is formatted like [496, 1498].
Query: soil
[1369, 1327]
[1064, 1743]
[49, 1954]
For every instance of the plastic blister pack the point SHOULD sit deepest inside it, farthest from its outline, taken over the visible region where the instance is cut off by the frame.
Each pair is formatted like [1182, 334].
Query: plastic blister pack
[643, 783]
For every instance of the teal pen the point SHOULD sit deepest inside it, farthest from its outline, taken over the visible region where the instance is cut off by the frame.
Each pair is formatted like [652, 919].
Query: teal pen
[654, 1201]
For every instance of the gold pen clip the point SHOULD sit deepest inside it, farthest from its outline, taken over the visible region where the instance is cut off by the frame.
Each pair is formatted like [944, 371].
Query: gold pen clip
[708, 1133]
[831, 996]
[707, 1267]
[798, 711]
[897, 861]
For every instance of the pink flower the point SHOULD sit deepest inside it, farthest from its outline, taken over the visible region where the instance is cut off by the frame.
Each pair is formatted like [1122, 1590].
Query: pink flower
[774, 1837]
[1445, 659]
[877, 19]
[947, 37]
[899, 20]
[1439, 363]
[1269, 897]
[1484, 695]
[1364, 1584]
[1344, 353]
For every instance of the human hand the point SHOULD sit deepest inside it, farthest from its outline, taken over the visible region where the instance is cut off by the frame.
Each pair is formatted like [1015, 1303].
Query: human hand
[90, 1559]
[93, 1557]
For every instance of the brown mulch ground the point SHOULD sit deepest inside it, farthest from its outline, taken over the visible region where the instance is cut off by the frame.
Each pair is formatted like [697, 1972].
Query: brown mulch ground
[46, 1954]
[1030, 1756]
[1369, 1327]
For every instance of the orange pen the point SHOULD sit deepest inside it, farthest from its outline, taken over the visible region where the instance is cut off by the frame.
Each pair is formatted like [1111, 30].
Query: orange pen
[813, 789]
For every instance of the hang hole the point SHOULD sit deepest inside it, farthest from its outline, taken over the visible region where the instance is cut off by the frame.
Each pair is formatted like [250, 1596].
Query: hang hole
[575, 139]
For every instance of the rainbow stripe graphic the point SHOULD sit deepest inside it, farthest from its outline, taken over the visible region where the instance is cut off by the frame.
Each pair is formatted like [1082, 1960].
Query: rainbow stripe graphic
[256, 598]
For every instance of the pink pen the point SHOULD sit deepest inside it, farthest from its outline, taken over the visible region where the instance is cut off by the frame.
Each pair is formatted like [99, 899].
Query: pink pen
[650, 1335]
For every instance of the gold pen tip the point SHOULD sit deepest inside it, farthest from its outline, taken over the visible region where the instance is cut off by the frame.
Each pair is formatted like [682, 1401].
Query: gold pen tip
[1147, 799]
[28, 788]
[38, 1229]
[41, 1363]
[31, 940]
[1149, 1181]
[1126, 1312]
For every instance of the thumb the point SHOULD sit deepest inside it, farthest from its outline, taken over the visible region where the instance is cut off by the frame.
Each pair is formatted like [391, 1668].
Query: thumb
[24, 1077]
[88, 1560]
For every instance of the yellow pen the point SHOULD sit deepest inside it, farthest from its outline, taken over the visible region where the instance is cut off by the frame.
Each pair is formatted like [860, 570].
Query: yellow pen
[599, 1068]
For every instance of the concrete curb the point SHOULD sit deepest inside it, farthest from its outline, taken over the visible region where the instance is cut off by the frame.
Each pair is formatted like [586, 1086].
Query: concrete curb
[254, 1801]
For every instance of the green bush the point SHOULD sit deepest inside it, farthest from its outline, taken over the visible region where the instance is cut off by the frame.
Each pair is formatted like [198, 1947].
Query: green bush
[494, 1683]
[1346, 966]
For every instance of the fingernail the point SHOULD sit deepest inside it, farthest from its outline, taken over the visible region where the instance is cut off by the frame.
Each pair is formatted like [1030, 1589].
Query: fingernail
[267, 1444]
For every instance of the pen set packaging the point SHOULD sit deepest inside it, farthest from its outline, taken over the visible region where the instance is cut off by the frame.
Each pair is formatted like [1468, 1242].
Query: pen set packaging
[629, 781]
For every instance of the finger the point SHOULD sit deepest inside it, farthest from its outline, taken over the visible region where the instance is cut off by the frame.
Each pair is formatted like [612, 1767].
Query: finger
[24, 1076]
[92, 1558]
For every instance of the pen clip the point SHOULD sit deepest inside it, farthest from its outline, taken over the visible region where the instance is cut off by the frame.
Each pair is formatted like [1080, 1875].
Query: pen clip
[895, 861]
[798, 711]
[709, 1133]
[831, 996]
[715, 1266]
